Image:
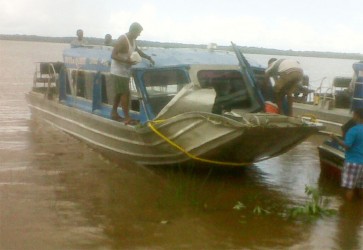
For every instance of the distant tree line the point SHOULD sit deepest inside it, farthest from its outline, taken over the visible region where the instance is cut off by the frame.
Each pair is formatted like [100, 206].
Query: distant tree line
[142, 43]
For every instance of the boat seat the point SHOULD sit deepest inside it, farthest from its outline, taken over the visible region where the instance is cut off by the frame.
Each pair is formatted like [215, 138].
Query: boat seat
[342, 82]
[341, 92]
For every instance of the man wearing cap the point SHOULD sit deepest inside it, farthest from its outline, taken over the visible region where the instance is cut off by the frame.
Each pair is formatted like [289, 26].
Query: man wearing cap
[122, 56]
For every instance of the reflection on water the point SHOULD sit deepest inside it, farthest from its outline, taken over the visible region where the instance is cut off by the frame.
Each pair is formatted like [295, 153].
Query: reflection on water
[350, 225]
[100, 203]
[57, 193]
[132, 206]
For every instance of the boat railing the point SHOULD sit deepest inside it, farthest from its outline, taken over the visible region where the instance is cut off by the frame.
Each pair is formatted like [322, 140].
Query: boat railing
[328, 99]
[335, 95]
[46, 74]
[320, 91]
[324, 95]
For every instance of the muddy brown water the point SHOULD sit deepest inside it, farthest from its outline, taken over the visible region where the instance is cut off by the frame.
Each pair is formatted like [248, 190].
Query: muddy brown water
[58, 193]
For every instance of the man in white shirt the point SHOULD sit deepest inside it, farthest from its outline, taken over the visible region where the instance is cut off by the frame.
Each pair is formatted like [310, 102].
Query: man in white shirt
[108, 40]
[80, 41]
[122, 59]
[287, 74]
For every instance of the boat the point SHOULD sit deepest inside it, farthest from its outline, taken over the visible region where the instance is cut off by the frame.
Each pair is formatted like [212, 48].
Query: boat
[173, 102]
[331, 156]
[332, 104]
[347, 97]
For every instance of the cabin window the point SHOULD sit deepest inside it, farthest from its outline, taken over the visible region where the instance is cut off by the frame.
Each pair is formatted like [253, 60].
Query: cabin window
[163, 85]
[164, 82]
[231, 91]
[104, 97]
[207, 77]
[79, 82]
[82, 82]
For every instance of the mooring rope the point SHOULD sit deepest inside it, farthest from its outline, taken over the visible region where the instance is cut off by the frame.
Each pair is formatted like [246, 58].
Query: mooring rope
[194, 157]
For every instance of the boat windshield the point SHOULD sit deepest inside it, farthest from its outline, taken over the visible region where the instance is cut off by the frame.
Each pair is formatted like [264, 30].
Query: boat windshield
[213, 78]
[164, 82]
[231, 91]
[162, 85]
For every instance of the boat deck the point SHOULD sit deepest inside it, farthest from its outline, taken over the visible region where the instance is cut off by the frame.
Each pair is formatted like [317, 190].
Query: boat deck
[332, 119]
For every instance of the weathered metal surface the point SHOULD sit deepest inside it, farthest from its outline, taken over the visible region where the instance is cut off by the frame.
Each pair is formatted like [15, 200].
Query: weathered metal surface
[201, 134]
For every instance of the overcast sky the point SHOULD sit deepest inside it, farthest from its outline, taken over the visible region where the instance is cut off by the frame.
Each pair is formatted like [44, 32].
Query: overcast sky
[309, 25]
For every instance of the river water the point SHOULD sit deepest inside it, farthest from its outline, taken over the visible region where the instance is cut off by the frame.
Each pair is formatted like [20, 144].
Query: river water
[57, 193]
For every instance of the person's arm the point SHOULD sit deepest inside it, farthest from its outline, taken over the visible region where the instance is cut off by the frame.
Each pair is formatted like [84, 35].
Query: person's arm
[339, 141]
[348, 141]
[271, 69]
[271, 72]
[142, 54]
[346, 126]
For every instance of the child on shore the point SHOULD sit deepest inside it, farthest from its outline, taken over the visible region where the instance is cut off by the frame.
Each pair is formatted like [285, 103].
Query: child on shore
[352, 176]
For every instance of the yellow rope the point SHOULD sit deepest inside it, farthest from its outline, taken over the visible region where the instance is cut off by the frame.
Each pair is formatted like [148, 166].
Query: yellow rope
[151, 126]
[311, 116]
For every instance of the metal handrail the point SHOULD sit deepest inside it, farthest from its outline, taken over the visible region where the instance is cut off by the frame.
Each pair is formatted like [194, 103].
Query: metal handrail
[39, 77]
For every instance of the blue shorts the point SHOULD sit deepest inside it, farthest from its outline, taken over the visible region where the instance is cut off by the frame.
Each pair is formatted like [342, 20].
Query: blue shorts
[352, 176]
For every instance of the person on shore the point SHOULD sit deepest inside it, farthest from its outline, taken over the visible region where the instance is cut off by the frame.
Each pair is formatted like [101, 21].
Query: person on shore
[352, 175]
[287, 74]
[125, 54]
[108, 40]
[80, 41]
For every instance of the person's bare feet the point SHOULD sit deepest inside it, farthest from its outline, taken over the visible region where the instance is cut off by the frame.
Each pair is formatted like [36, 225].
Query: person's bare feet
[131, 122]
[116, 117]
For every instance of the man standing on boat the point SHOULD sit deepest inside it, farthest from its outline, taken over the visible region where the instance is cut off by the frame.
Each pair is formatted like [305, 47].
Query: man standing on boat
[80, 41]
[287, 75]
[125, 54]
[108, 40]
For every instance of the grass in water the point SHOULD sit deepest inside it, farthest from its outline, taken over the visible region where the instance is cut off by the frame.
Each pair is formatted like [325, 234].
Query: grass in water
[260, 211]
[185, 187]
[315, 206]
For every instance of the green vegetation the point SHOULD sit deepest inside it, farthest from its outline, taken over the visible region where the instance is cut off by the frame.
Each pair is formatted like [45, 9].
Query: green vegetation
[239, 206]
[184, 188]
[141, 43]
[260, 211]
[316, 206]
